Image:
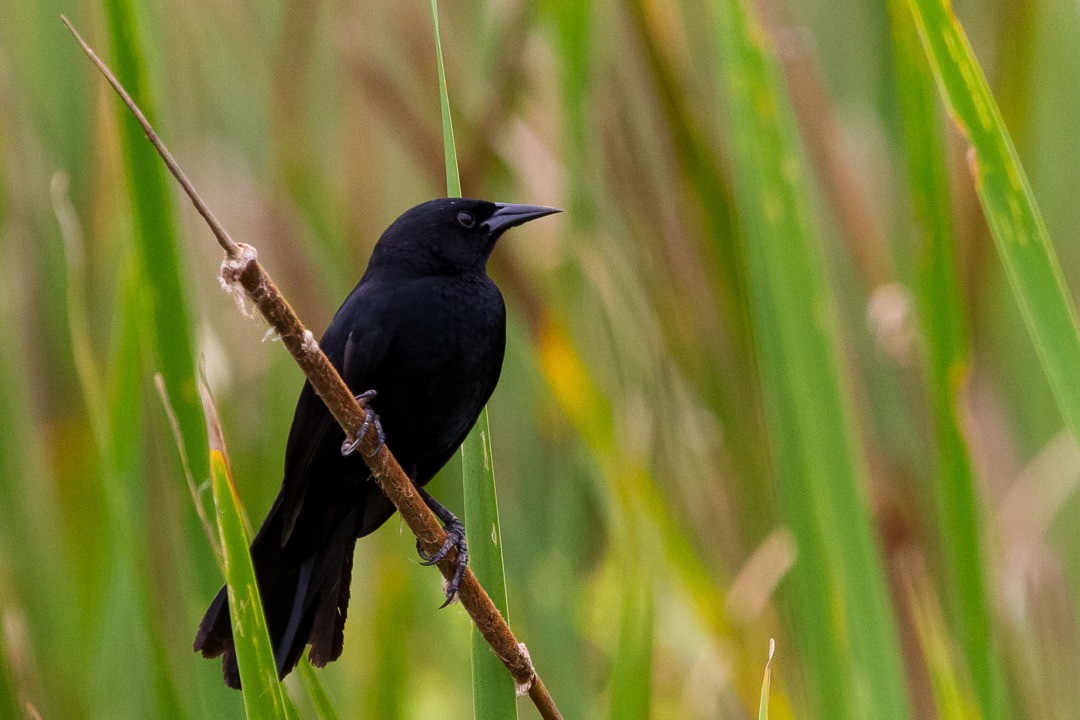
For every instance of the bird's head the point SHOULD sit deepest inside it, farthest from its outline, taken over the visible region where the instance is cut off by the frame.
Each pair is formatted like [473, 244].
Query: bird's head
[449, 235]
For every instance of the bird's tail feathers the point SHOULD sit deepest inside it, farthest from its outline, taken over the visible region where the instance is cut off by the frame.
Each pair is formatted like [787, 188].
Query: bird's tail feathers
[305, 600]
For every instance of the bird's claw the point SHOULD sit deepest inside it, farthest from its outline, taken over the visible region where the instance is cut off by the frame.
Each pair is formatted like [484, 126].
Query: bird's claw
[371, 420]
[455, 537]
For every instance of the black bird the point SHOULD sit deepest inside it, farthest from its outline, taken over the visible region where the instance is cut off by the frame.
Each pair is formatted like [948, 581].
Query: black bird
[421, 340]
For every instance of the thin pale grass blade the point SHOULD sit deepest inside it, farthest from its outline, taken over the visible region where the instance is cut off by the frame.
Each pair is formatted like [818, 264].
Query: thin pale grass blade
[766, 683]
[1020, 235]
[840, 607]
[196, 494]
[320, 701]
[947, 360]
[493, 689]
[91, 378]
[631, 673]
[90, 375]
[264, 695]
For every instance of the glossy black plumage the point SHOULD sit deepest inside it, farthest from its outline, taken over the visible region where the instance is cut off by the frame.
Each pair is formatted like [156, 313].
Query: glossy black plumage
[425, 328]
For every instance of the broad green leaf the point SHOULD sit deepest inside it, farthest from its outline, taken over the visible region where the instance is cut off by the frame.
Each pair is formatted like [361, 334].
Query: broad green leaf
[1014, 218]
[839, 604]
[264, 696]
[493, 688]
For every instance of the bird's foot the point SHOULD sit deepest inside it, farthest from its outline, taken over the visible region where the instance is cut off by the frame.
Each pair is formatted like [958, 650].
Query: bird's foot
[455, 537]
[371, 420]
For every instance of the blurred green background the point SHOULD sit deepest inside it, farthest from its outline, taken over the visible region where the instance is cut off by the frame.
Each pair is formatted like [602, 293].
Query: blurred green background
[703, 439]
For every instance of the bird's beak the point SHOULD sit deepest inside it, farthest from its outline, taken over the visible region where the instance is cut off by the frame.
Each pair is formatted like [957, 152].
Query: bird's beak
[508, 215]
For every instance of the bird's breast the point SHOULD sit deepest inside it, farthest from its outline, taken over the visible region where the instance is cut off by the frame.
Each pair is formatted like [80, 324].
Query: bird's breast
[441, 368]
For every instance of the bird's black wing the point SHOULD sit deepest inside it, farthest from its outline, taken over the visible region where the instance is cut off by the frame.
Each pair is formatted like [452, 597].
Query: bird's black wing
[356, 342]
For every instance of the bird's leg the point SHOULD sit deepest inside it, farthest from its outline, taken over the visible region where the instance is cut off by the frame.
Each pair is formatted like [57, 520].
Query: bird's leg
[455, 537]
[370, 419]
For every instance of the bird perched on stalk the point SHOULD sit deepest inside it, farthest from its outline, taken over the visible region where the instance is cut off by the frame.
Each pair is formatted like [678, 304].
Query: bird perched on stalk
[420, 340]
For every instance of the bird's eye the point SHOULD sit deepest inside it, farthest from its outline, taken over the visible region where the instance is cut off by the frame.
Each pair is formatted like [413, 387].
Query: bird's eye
[466, 219]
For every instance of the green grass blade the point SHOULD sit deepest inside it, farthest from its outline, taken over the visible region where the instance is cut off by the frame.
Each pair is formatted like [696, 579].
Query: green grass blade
[841, 610]
[573, 32]
[631, 674]
[264, 696]
[951, 699]
[947, 359]
[1015, 221]
[164, 323]
[320, 701]
[453, 177]
[156, 239]
[121, 461]
[766, 683]
[127, 624]
[493, 688]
